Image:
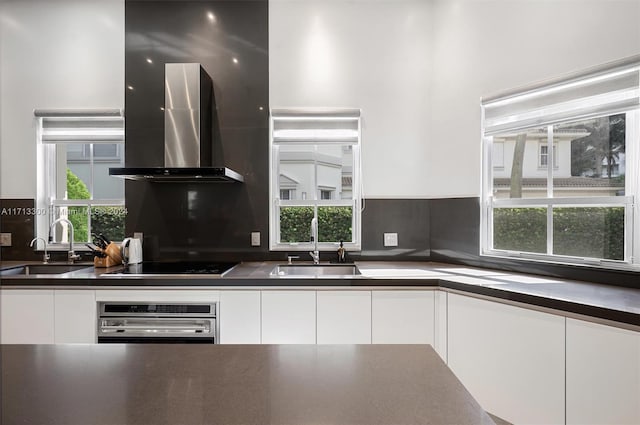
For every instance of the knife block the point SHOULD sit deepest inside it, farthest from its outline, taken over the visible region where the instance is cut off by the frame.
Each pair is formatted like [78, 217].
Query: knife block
[104, 262]
[114, 255]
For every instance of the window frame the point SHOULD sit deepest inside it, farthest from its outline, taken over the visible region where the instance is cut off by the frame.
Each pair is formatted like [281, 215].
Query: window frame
[322, 117]
[545, 146]
[632, 156]
[47, 166]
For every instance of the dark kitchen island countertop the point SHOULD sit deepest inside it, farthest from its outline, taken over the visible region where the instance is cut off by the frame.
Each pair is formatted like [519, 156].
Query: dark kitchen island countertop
[232, 384]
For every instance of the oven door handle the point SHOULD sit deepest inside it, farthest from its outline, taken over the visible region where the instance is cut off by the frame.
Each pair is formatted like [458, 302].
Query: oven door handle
[154, 329]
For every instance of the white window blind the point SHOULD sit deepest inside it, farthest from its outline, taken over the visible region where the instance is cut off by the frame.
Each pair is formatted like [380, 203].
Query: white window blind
[587, 95]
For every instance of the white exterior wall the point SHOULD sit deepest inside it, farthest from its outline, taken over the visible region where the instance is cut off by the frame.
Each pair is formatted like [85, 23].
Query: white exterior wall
[53, 54]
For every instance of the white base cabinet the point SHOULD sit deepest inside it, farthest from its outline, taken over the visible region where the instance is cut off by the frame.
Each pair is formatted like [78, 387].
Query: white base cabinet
[240, 317]
[288, 317]
[402, 317]
[26, 316]
[344, 317]
[510, 359]
[75, 316]
[603, 374]
[440, 334]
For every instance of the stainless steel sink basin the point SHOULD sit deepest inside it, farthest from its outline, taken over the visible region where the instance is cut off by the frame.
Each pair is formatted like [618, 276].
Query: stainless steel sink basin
[33, 269]
[315, 270]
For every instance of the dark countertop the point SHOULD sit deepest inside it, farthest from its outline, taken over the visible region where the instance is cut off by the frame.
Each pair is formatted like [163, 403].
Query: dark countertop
[618, 304]
[232, 384]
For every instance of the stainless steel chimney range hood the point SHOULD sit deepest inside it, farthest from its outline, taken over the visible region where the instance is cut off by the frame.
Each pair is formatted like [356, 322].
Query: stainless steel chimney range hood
[188, 131]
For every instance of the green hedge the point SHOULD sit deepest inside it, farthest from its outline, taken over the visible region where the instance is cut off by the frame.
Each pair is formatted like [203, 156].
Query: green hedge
[109, 221]
[334, 224]
[584, 232]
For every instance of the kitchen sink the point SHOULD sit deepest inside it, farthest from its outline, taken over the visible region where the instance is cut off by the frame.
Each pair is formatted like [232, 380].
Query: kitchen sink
[315, 270]
[33, 269]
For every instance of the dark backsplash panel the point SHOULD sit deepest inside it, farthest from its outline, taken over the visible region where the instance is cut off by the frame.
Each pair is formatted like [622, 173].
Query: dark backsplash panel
[18, 217]
[208, 219]
[409, 218]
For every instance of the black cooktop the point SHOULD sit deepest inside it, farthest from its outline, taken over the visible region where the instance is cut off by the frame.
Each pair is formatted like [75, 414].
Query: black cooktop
[180, 267]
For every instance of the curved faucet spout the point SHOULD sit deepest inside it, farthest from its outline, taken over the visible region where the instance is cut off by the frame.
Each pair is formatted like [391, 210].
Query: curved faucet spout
[71, 255]
[45, 257]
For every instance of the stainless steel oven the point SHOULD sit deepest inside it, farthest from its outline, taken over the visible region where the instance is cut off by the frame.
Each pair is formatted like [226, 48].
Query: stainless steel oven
[157, 322]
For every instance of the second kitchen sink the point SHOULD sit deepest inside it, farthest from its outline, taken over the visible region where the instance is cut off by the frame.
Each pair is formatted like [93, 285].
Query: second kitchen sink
[33, 269]
[315, 270]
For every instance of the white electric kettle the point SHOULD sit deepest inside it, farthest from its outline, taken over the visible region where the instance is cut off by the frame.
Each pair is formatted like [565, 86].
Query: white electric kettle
[131, 249]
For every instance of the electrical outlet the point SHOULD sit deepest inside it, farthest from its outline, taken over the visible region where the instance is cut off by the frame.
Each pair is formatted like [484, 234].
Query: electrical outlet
[5, 239]
[390, 239]
[255, 238]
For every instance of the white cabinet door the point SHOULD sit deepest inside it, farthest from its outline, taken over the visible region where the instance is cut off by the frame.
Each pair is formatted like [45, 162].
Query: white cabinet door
[288, 317]
[344, 317]
[239, 316]
[603, 374]
[26, 316]
[402, 317]
[510, 359]
[440, 336]
[75, 316]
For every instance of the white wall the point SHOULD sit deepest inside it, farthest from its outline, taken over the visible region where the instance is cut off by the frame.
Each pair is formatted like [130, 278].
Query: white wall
[53, 54]
[482, 47]
[419, 68]
[372, 55]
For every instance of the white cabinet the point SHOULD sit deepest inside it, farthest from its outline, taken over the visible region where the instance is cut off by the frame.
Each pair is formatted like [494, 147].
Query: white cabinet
[440, 335]
[344, 317]
[75, 316]
[510, 359]
[288, 317]
[239, 316]
[26, 316]
[402, 317]
[603, 374]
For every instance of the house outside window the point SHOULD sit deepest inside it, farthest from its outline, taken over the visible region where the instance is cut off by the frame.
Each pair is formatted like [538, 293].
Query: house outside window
[314, 168]
[580, 210]
[75, 151]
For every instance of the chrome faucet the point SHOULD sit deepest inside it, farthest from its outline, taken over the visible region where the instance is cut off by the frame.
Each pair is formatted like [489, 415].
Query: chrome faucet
[71, 256]
[315, 254]
[46, 256]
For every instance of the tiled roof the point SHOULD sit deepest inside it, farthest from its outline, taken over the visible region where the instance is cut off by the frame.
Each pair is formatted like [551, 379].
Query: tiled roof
[563, 182]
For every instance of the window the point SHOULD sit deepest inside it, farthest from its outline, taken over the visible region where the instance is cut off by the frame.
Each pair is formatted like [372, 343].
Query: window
[285, 194]
[580, 210]
[544, 155]
[314, 165]
[75, 151]
[326, 194]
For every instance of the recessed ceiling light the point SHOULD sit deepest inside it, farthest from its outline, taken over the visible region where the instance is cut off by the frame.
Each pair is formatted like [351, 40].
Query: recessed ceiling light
[130, 87]
[161, 108]
[261, 108]
[149, 60]
[235, 60]
[211, 16]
